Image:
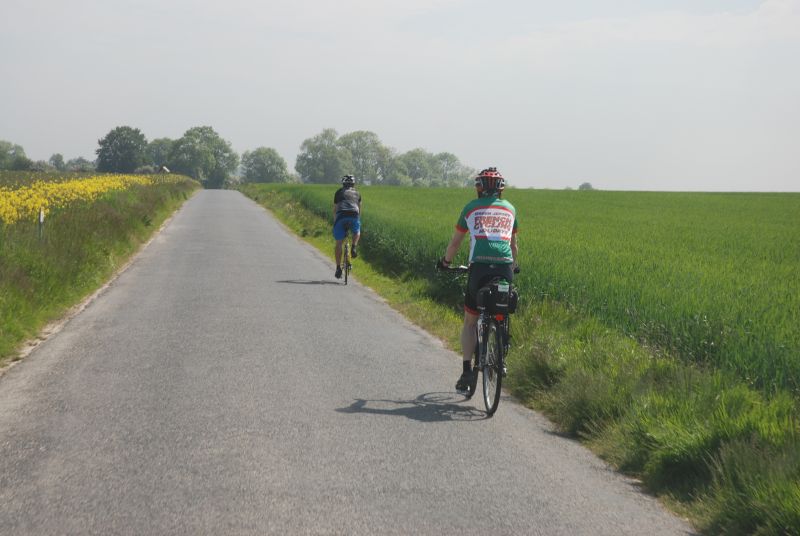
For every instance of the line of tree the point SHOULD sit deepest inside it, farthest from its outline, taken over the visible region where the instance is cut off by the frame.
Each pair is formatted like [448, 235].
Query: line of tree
[327, 156]
[13, 157]
[204, 155]
[200, 153]
[264, 165]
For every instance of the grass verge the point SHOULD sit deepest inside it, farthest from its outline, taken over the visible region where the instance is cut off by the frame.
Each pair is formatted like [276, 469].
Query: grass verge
[716, 451]
[79, 249]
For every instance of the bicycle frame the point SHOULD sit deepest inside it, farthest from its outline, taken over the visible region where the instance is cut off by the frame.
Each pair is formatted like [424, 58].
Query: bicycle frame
[346, 248]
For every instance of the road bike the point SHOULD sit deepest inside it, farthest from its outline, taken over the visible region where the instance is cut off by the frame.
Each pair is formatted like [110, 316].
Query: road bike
[346, 249]
[497, 300]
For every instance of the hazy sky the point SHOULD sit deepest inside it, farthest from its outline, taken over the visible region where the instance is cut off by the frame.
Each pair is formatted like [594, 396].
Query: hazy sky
[625, 94]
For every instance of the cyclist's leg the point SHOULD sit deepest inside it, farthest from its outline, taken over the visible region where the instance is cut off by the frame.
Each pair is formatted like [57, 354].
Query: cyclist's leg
[339, 234]
[339, 252]
[356, 229]
[469, 338]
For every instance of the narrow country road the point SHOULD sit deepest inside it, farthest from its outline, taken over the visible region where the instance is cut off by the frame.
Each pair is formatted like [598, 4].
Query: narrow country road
[223, 384]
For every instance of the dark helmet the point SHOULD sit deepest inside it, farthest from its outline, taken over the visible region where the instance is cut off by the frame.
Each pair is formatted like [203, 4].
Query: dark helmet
[348, 180]
[489, 181]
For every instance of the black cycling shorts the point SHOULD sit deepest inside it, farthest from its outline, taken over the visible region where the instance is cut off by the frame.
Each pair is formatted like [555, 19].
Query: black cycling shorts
[479, 275]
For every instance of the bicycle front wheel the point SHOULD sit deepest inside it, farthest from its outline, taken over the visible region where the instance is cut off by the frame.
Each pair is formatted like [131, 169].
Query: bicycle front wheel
[492, 368]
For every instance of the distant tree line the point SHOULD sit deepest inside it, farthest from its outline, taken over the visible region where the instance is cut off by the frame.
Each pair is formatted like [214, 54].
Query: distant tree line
[202, 154]
[12, 157]
[327, 156]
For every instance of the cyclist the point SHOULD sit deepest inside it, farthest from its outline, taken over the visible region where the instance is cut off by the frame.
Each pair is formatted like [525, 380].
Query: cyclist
[346, 212]
[491, 223]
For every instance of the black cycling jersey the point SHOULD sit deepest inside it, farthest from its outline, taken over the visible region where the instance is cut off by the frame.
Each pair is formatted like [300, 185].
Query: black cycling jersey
[346, 201]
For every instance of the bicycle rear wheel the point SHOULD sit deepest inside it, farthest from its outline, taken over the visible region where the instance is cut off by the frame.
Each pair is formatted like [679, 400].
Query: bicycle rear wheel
[346, 261]
[492, 368]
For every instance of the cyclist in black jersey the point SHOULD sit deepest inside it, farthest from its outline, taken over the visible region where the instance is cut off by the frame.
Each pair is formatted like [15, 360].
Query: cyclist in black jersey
[346, 214]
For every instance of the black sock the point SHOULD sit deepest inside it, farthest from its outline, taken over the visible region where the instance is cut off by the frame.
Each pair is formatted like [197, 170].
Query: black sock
[467, 366]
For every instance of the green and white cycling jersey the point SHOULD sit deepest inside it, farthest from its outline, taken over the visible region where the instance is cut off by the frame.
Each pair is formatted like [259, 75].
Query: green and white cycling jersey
[490, 222]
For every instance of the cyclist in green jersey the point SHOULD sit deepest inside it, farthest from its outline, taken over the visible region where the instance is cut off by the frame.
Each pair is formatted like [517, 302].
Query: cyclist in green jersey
[491, 223]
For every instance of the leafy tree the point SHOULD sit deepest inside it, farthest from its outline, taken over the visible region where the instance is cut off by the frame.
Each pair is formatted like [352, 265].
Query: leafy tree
[322, 159]
[466, 177]
[191, 156]
[443, 168]
[202, 154]
[80, 164]
[366, 151]
[391, 168]
[57, 161]
[22, 163]
[449, 171]
[264, 165]
[41, 165]
[122, 150]
[585, 186]
[158, 151]
[9, 153]
[418, 166]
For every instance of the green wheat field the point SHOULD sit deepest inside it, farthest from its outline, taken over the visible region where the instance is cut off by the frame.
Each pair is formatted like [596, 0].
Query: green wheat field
[712, 278]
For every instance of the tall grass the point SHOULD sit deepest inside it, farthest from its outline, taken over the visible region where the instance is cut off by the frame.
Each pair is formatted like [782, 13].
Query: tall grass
[81, 245]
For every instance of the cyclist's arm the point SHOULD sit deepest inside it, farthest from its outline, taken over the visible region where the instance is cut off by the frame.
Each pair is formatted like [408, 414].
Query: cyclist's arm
[336, 199]
[455, 243]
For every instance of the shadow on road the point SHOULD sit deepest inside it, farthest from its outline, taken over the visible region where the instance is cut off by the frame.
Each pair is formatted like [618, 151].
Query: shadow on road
[308, 282]
[429, 407]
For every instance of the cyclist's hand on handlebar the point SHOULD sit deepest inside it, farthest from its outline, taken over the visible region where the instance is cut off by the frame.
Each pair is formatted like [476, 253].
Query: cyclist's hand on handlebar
[442, 265]
[516, 269]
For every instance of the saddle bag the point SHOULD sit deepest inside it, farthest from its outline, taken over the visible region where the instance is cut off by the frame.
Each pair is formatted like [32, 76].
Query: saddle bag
[498, 297]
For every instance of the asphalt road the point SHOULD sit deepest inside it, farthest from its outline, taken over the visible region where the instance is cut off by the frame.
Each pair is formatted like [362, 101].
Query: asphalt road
[225, 384]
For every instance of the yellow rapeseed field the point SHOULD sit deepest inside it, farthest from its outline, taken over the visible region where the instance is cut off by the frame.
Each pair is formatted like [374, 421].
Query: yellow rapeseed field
[24, 203]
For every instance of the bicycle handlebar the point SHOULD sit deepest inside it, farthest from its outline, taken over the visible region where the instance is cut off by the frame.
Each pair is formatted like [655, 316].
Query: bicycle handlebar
[463, 269]
[456, 269]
